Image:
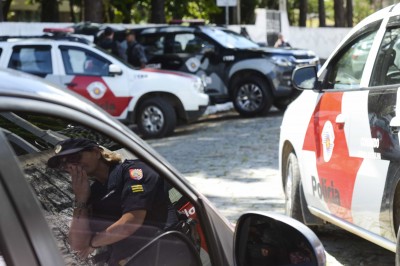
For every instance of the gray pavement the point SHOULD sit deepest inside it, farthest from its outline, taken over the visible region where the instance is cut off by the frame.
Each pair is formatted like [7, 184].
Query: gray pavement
[234, 162]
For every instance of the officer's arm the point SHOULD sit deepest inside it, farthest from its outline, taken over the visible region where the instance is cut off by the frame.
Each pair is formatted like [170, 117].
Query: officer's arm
[121, 229]
[79, 234]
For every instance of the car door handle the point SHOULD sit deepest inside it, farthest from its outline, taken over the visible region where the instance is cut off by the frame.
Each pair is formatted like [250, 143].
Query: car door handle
[340, 119]
[395, 125]
[71, 84]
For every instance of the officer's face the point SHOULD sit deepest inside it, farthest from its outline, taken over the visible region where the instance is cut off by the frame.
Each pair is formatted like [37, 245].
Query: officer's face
[87, 159]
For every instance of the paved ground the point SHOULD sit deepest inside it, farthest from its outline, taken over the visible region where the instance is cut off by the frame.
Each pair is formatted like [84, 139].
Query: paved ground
[234, 162]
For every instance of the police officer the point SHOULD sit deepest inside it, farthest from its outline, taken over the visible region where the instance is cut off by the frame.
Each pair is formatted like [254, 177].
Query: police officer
[125, 206]
[108, 43]
[135, 51]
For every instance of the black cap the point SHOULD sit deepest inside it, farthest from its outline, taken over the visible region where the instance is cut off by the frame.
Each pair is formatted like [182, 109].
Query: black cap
[108, 31]
[69, 146]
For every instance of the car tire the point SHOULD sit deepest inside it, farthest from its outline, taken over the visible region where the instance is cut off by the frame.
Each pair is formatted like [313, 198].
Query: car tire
[156, 118]
[397, 263]
[292, 188]
[251, 96]
[282, 105]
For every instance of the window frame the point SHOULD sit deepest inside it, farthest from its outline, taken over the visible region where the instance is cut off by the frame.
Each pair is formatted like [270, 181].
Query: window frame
[360, 34]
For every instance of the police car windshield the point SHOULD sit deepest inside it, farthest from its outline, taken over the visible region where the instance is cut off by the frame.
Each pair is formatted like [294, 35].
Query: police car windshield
[229, 39]
[120, 60]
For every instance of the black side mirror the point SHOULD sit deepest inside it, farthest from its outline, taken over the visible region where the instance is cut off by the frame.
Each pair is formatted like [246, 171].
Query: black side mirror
[171, 248]
[305, 78]
[273, 239]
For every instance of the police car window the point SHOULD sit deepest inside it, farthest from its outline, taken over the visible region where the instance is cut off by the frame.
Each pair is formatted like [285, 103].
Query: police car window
[83, 62]
[386, 69]
[347, 70]
[32, 59]
[35, 138]
[193, 44]
[153, 44]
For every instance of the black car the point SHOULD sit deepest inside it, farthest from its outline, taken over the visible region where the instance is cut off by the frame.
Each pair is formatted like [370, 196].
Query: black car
[37, 201]
[233, 67]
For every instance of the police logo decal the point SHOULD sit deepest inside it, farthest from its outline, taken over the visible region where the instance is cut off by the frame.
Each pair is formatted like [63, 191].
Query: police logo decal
[193, 64]
[136, 174]
[328, 140]
[96, 90]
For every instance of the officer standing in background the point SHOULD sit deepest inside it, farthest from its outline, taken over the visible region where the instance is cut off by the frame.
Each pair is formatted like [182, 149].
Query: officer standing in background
[108, 43]
[135, 51]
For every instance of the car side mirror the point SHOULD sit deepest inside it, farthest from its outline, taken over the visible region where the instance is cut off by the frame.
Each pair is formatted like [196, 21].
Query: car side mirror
[305, 78]
[114, 70]
[171, 248]
[274, 239]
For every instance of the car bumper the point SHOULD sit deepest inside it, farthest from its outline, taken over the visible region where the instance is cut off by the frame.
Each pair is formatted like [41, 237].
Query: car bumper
[195, 115]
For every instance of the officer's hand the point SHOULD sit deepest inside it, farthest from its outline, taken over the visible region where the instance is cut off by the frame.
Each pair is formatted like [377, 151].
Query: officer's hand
[84, 253]
[80, 182]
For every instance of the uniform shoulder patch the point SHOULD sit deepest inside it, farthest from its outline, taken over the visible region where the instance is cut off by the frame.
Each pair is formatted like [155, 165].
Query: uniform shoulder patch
[136, 173]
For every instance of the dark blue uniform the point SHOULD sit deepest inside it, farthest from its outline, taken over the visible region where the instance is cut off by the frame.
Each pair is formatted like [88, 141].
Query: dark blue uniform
[131, 186]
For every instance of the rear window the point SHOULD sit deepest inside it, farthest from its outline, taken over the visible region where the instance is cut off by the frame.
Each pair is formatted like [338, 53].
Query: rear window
[32, 59]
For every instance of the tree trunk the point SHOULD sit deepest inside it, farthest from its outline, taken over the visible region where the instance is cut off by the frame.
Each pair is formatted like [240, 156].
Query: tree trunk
[49, 11]
[303, 13]
[157, 11]
[6, 8]
[321, 13]
[339, 13]
[71, 11]
[94, 11]
[1, 13]
[349, 13]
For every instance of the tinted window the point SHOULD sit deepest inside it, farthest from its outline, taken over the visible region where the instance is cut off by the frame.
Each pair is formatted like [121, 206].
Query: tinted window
[229, 40]
[32, 59]
[347, 70]
[33, 138]
[386, 69]
[153, 44]
[83, 62]
[193, 44]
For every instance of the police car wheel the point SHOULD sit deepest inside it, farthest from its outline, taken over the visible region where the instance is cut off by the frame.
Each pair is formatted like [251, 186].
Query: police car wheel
[156, 118]
[251, 97]
[292, 188]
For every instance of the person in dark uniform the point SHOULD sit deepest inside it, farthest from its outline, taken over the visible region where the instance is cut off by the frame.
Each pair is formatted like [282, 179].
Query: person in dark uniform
[135, 51]
[120, 205]
[108, 43]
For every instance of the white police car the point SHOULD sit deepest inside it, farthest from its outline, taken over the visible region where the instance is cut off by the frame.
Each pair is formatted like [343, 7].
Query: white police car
[36, 202]
[339, 146]
[155, 100]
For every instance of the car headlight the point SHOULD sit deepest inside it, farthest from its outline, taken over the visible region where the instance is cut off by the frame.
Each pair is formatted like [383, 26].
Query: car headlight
[283, 61]
[199, 85]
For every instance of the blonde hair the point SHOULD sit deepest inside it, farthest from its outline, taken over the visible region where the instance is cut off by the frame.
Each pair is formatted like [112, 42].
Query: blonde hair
[110, 156]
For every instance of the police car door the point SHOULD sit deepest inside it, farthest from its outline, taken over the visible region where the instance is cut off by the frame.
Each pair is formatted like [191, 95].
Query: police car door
[87, 73]
[340, 107]
[378, 144]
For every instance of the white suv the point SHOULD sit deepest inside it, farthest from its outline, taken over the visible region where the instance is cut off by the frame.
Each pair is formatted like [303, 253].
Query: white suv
[155, 100]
